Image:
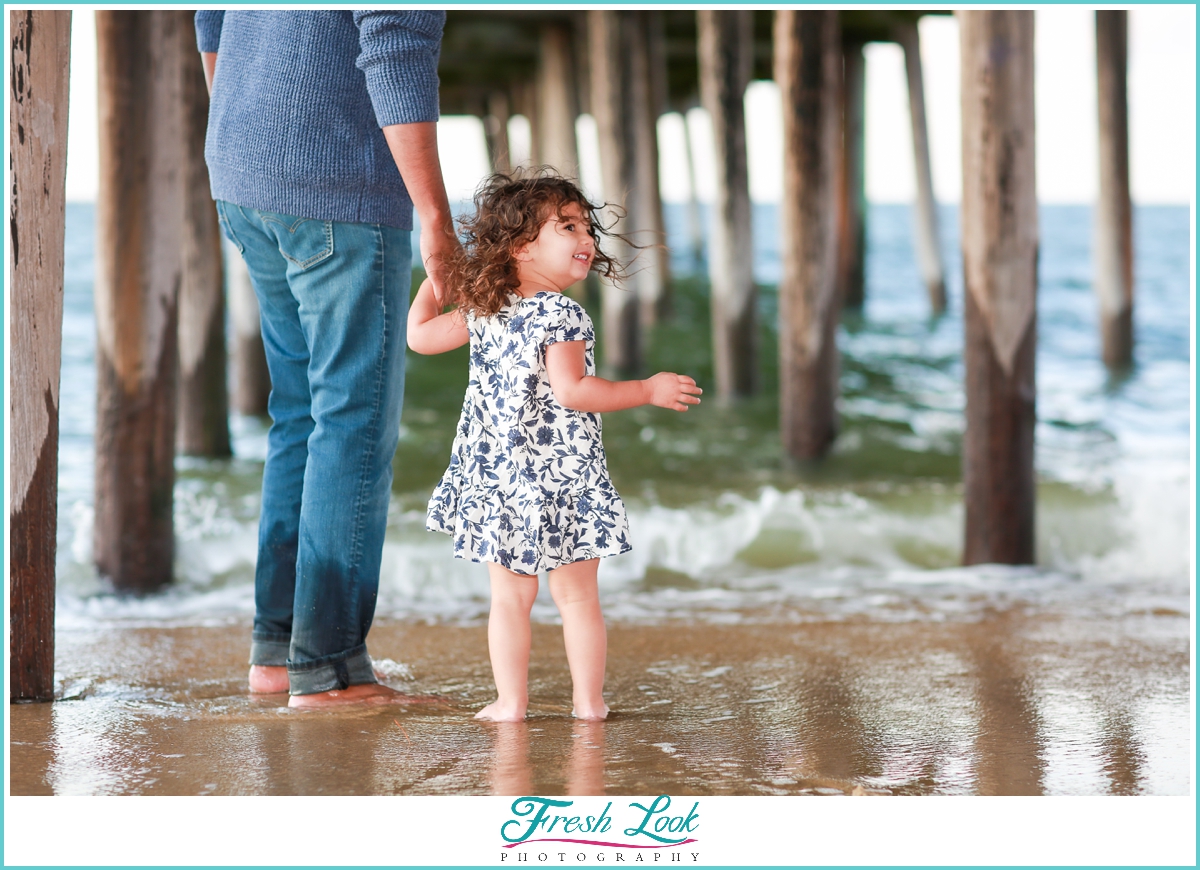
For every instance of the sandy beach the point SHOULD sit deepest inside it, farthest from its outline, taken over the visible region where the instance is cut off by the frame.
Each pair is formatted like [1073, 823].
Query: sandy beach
[1012, 703]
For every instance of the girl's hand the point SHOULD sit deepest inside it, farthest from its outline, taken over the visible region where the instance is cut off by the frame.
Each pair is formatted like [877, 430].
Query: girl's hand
[672, 391]
[566, 367]
[429, 330]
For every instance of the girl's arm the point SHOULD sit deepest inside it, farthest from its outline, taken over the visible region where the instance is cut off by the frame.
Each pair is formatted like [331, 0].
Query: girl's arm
[430, 331]
[580, 392]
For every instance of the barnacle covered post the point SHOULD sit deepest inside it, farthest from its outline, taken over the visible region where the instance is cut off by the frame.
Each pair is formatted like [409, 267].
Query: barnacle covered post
[609, 49]
[808, 70]
[558, 100]
[649, 101]
[929, 254]
[495, 131]
[40, 63]
[203, 423]
[851, 190]
[1114, 209]
[251, 377]
[1000, 248]
[726, 56]
[139, 236]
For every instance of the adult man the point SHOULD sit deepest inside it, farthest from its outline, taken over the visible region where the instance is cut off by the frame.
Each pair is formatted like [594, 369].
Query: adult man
[321, 139]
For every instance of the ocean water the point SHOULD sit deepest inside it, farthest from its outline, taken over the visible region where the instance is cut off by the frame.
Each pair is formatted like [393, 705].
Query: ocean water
[724, 528]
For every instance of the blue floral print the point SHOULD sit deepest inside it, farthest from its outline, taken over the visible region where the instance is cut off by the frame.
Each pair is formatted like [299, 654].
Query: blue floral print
[527, 486]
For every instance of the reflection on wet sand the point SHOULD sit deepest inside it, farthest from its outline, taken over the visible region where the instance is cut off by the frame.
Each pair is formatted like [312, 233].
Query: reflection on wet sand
[1010, 704]
[511, 773]
[1007, 748]
[585, 764]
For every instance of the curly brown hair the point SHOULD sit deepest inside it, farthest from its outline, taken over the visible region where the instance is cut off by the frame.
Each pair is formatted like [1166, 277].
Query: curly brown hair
[509, 213]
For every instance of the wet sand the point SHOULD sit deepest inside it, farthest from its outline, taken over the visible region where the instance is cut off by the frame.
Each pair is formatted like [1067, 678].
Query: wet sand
[1015, 703]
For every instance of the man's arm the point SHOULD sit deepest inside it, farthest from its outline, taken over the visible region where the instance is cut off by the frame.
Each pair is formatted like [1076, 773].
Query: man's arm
[208, 37]
[414, 148]
[209, 59]
[399, 57]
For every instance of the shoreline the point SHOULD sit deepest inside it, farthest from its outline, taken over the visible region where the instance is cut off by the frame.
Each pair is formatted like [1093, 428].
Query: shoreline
[1017, 702]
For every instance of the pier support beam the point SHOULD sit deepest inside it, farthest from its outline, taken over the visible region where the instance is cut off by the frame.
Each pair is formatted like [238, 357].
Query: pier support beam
[40, 57]
[1000, 249]
[610, 49]
[649, 99]
[139, 236]
[251, 377]
[726, 55]
[852, 200]
[808, 70]
[929, 254]
[558, 101]
[525, 102]
[695, 221]
[495, 131]
[202, 427]
[1114, 210]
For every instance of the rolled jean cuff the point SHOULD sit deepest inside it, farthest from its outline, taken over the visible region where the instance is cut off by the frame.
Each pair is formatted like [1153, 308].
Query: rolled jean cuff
[269, 650]
[352, 668]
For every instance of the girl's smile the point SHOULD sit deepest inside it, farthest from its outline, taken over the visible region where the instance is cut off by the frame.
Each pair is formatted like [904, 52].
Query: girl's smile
[560, 256]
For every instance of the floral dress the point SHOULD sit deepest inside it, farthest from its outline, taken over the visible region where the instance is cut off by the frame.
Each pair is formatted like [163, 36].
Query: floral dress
[528, 485]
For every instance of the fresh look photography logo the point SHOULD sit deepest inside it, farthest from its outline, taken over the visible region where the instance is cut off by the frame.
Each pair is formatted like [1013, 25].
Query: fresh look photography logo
[637, 833]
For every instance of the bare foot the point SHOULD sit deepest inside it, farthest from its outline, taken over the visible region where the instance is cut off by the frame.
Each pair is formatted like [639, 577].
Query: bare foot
[361, 694]
[268, 679]
[590, 711]
[498, 712]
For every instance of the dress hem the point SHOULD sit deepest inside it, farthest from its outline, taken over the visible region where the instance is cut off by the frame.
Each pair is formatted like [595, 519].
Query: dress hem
[479, 561]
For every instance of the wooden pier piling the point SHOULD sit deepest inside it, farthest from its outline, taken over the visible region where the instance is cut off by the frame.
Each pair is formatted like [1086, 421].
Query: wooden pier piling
[695, 221]
[649, 101]
[202, 426]
[609, 47]
[525, 103]
[1113, 256]
[558, 101]
[495, 131]
[851, 191]
[139, 236]
[251, 377]
[929, 254]
[808, 70]
[40, 63]
[726, 56]
[1000, 249]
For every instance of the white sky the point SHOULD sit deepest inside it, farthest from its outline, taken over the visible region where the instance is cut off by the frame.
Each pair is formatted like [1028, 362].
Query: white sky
[1162, 107]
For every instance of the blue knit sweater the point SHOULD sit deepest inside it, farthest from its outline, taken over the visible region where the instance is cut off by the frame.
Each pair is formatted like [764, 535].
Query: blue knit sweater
[298, 100]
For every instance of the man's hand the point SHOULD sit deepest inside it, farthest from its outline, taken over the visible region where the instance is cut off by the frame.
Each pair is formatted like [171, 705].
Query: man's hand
[437, 244]
[414, 148]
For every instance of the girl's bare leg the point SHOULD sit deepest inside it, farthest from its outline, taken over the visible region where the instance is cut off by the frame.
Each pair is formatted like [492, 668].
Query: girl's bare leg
[508, 643]
[578, 598]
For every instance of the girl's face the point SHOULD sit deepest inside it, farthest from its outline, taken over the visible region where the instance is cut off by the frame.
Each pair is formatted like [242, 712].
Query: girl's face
[562, 253]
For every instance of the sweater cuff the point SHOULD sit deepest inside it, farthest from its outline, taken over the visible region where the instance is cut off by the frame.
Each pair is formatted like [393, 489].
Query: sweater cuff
[208, 29]
[399, 58]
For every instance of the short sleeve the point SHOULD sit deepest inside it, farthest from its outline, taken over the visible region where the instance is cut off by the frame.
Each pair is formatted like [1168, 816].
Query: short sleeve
[208, 29]
[399, 57]
[567, 321]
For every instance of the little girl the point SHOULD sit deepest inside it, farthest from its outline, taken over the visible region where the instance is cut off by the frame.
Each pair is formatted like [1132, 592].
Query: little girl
[528, 489]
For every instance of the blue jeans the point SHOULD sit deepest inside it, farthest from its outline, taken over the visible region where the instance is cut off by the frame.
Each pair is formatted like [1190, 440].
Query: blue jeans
[334, 305]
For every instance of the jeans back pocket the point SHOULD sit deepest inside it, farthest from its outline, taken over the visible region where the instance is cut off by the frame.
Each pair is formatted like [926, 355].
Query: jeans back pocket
[304, 242]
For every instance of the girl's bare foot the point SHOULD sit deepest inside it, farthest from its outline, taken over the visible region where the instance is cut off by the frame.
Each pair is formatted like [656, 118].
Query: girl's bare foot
[361, 694]
[268, 679]
[590, 711]
[502, 712]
